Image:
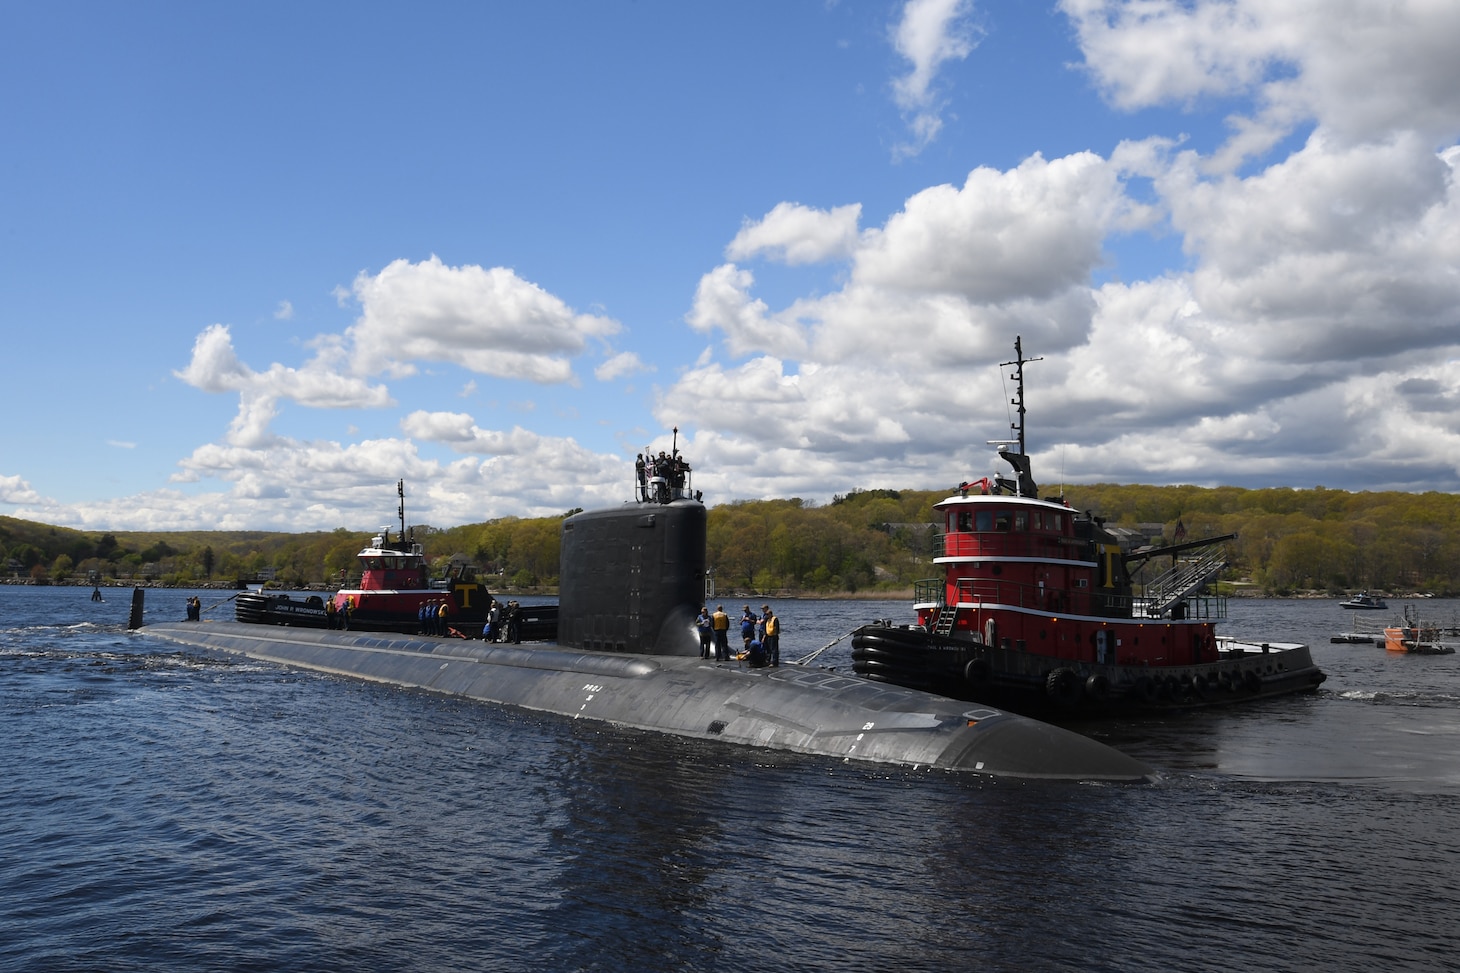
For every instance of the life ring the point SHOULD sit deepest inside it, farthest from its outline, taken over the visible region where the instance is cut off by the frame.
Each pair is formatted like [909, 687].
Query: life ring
[977, 671]
[1063, 686]
[1199, 686]
[1097, 687]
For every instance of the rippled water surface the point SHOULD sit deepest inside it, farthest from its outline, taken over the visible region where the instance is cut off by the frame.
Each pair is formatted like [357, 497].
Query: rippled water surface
[162, 810]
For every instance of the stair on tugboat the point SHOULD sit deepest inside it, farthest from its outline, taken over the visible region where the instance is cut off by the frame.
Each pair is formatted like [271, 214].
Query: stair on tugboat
[947, 617]
[1182, 581]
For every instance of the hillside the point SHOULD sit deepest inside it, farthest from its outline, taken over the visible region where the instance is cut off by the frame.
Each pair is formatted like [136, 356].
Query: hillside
[863, 541]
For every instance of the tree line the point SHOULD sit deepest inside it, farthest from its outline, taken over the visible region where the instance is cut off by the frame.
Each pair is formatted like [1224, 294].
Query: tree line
[865, 541]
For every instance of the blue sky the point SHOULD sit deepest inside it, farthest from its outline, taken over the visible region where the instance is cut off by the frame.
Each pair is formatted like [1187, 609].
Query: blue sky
[261, 261]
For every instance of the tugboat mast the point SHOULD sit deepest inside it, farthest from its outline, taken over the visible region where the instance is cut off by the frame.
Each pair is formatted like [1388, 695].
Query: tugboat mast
[400, 489]
[1023, 484]
[1018, 378]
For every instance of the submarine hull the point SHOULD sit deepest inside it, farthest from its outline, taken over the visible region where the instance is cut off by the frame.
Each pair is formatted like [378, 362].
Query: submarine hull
[792, 708]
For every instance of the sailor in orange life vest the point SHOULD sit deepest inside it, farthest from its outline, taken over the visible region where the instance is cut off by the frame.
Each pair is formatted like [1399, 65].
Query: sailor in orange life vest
[720, 623]
[772, 635]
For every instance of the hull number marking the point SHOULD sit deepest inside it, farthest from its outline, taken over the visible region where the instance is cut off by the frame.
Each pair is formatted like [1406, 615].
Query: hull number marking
[592, 691]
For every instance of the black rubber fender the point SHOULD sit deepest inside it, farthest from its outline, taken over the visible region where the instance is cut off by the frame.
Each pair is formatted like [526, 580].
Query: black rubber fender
[1063, 686]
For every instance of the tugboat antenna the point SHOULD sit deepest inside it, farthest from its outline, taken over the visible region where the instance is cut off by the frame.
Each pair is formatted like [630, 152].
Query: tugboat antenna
[1018, 377]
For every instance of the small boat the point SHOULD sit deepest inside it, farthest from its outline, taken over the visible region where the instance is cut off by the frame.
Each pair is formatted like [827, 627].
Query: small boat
[395, 584]
[1415, 636]
[1363, 601]
[1037, 611]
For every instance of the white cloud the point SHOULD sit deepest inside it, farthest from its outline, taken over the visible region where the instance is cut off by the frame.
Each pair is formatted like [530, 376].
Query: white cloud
[284, 312]
[290, 484]
[1159, 52]
[1028, 232]
[13, 489]
[278, 482]
[489, 321]
[460, 432]
[619, 365]
[722, 301]
[797, 234]
[1338, 253]
[215, 367]
[929, 34]
[1363, 70]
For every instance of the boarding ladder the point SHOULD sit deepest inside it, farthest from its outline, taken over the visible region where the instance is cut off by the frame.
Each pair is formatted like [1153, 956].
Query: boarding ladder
[1184, 579]
[947, 616]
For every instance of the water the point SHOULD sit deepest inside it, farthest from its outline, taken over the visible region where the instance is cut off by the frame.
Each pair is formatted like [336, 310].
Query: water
[165, 811]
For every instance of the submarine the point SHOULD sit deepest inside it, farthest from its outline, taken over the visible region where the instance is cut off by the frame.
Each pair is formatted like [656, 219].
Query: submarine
[627, 654]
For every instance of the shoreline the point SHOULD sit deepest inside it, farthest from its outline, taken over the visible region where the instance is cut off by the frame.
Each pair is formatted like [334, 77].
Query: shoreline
[733, 594]
[736, 594]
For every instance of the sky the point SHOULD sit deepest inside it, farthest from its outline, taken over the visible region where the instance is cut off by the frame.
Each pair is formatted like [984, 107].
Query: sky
[258, 262]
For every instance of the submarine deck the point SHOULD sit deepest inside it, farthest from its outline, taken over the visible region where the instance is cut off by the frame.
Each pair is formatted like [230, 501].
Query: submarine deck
[813, 711]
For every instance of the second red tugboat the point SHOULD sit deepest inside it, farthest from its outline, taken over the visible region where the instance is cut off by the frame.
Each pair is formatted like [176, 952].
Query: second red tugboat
[395, 584]
[1037, 611]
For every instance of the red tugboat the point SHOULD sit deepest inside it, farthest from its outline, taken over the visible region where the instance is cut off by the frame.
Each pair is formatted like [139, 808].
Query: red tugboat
[394, 583]
[1037, 611]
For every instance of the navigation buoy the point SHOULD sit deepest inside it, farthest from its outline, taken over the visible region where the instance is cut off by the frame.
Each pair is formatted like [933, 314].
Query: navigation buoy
[134, 620]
